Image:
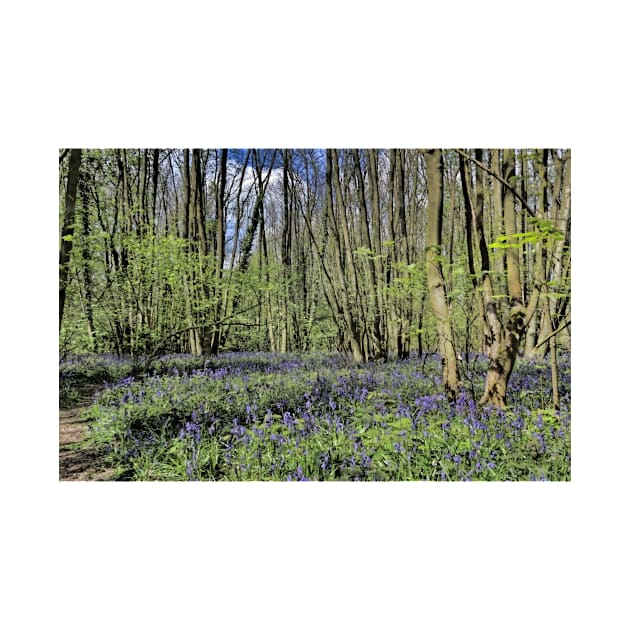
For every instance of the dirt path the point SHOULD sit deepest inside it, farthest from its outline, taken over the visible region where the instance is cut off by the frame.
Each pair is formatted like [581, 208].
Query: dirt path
[79, 464]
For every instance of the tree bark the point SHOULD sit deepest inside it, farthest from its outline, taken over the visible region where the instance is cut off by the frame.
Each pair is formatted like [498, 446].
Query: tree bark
[401, 254]
[185, 218]
[381, 316]
[503, 357]
[437, 291]
[286, 249]
[474, 208]
[349, 325]
[376, 338]
[86, 263]
[67, 232]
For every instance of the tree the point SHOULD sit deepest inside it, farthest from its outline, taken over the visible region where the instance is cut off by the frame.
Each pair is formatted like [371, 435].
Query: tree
[435, 277]
[201, 250]
[219, 248]
[67, 232]
[401, 260]
[505, 332]
[345, 284]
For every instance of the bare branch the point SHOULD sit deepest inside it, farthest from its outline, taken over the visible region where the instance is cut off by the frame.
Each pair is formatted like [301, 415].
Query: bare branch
[499, 178]
[554, 333]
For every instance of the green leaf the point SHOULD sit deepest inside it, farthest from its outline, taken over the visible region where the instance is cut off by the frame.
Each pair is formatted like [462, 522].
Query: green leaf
[501, 246]
[364, 251]
[500, 243]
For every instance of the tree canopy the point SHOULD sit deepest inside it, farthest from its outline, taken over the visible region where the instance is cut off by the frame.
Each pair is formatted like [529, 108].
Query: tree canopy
[370, 252]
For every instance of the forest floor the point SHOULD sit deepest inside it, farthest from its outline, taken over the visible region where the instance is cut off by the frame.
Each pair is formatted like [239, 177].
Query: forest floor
[77, 463]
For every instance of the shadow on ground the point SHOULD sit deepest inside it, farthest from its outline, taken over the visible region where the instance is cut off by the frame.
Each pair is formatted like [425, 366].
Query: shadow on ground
[77, 463]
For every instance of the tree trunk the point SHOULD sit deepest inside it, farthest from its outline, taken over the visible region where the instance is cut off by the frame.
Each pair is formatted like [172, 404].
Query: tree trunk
[143, 213]
[342, 253]
[154, 180]
[435, 278]
[401, 246]
[474, 209]
[185, 218]
[200, 243]
[87, 273]
[366, 264]
[286, 246]
[502, 362]
[503, 358]
[380, 315]
[67, 232]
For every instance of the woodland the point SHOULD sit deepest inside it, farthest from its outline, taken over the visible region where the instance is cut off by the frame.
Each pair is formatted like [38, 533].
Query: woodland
[318, 314]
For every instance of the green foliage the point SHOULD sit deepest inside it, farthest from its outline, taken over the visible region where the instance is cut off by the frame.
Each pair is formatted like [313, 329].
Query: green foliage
[133, 282]
[544, 231]
[366, 252]
[269, 418]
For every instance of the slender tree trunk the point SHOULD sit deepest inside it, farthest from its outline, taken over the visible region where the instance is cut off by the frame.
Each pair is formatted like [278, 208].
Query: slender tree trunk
[545, 323]
[495, 221]
[67, 233]
[474, 208]
[256, 222]
[257, 211]
[376, 348]
[561, 219]
[86, 263]
[402, 255]
[531, 334]
[198, 209]
[381, 316]
[200, 243]
[327, 283]
[435, 278]
[553, 357]
[154, 195]
[185, 220]
[347, 255]
[286, 252]
[515, 288]
[347, 316]
[143, 213]
[187, 224]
